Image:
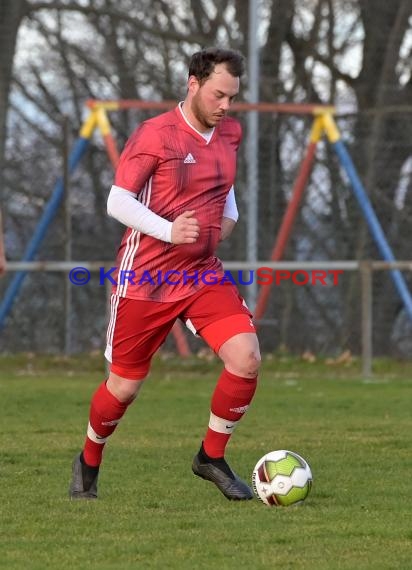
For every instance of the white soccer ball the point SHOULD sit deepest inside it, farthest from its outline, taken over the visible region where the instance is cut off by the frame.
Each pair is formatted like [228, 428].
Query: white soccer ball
[282, 478]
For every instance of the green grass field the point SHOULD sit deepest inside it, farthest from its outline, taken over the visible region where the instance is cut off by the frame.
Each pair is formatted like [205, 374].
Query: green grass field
[153, 513]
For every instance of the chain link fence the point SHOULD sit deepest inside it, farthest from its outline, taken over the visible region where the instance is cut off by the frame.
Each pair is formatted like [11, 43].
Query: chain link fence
[329, 228]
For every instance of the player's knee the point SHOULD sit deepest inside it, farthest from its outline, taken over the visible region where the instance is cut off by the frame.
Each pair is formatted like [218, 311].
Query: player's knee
[241, 355]
[253, 364]
[247, 365]
[123, 389]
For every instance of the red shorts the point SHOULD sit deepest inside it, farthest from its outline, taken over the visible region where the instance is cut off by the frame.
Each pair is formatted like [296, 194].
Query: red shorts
[137, 328]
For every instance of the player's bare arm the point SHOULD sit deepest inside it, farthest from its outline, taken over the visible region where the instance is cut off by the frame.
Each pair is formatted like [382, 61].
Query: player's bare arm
[227, 228]
[185, 228]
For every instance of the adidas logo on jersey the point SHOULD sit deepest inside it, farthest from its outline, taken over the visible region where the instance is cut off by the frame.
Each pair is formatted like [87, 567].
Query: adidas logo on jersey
[189, 159]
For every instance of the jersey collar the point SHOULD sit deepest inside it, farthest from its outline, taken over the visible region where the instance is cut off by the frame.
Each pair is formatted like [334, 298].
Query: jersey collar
[206, 137]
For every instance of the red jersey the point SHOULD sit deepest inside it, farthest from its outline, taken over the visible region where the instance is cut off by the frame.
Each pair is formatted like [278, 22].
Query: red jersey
[172, 168]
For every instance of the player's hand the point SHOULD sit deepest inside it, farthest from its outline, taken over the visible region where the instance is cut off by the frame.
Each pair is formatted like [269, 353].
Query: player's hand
[185, 228]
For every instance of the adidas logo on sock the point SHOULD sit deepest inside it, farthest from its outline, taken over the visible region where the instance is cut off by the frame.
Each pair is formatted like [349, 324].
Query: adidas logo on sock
[189, 159]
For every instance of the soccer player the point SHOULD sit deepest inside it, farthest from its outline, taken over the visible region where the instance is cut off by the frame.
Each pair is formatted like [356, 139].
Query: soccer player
[173, 189]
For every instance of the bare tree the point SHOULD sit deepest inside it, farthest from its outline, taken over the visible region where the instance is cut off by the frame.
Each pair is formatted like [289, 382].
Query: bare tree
[12, 13]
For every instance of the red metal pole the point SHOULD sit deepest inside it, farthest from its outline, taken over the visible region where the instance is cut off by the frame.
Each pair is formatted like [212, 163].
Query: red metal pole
[112, 150]
[287, 224]
[180, 339]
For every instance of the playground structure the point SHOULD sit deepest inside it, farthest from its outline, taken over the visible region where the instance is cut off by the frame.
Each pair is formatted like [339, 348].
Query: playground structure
[323, 125]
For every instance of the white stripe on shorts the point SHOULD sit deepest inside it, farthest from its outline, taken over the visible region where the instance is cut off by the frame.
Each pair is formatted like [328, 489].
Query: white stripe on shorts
[114, 303]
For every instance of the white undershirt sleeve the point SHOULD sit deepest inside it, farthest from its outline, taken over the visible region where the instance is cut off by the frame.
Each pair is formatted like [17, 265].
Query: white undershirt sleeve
[230, 210]
[124, 207]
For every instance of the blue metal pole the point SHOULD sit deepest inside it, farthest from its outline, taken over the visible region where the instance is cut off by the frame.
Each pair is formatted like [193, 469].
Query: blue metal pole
[49, 213]
[373, 223]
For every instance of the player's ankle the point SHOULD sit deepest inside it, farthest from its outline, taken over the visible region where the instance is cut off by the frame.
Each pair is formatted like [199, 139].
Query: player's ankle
[208, 456]
[86, 464]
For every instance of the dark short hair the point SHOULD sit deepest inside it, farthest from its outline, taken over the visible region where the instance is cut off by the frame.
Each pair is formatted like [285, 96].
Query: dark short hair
[203, 62]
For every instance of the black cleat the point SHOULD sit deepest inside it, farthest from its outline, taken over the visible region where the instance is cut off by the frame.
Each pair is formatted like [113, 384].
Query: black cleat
[218, 472]
[84, 480]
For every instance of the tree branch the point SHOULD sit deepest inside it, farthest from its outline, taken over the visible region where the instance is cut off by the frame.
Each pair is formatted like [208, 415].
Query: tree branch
[170, 34]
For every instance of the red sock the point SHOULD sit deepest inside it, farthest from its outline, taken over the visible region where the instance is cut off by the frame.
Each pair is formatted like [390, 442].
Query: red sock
[105, 413]
[230, 401]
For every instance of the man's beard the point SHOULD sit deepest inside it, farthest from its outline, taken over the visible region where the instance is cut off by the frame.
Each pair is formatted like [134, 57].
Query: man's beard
[200, 114]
